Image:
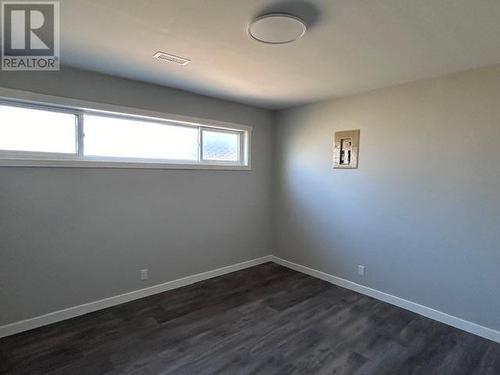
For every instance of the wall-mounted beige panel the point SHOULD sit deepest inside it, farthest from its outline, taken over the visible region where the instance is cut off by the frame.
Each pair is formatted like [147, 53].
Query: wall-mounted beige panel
[346, 149]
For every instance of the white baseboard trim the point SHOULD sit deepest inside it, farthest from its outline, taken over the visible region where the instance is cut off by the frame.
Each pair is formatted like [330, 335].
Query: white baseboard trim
[71, 312]
[428, 312]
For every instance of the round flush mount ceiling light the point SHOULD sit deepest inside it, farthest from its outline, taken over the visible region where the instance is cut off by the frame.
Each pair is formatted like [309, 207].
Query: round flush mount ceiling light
[277, 28]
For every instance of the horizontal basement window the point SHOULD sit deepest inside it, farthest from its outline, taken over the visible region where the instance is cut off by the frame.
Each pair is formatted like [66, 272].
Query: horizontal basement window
[45, 135]
[33, 130]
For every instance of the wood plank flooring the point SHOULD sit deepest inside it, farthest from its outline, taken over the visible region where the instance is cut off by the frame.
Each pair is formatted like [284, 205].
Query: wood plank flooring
[262, 320]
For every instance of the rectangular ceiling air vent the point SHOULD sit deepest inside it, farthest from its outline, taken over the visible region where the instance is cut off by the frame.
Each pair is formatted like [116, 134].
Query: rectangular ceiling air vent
[171, 58]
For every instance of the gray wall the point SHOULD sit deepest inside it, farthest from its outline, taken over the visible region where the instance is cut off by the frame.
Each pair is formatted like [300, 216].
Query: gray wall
[71, 236]
[422, 212]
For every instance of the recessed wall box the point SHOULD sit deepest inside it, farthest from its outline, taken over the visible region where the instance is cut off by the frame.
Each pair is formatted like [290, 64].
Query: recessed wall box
[346, 149]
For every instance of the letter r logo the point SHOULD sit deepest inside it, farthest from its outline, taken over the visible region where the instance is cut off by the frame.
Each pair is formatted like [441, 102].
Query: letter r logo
[30, 37]
[19, 28]
[28, 29]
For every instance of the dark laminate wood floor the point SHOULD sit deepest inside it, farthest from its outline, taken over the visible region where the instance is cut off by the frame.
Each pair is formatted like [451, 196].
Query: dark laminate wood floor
[262, 320]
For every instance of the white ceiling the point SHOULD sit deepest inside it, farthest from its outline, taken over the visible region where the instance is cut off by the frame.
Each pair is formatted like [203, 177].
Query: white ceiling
[350, 46]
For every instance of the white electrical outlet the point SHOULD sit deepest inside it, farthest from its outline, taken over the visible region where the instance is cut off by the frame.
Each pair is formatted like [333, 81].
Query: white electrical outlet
[144, 274]
[361, 270]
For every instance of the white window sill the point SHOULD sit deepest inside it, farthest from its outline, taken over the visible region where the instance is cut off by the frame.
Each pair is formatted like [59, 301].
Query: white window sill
[118, 164]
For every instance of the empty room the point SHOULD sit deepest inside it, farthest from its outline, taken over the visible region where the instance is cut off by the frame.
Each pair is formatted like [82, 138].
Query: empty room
[250, 187]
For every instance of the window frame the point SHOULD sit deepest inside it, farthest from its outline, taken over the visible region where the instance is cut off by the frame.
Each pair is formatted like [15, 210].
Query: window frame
[80, 108]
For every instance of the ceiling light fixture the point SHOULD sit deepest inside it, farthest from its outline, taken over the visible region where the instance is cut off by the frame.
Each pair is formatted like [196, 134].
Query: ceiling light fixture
[277, 28]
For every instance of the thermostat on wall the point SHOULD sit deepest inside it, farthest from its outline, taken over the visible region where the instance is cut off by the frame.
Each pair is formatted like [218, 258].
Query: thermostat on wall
[346, 149]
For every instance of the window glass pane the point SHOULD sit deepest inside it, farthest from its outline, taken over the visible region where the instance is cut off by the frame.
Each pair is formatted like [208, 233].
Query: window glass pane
[221, 146]
[34, 130]
[135, 138]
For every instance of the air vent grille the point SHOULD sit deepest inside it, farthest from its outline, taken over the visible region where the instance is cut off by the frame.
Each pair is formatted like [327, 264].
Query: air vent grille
[171, 58]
